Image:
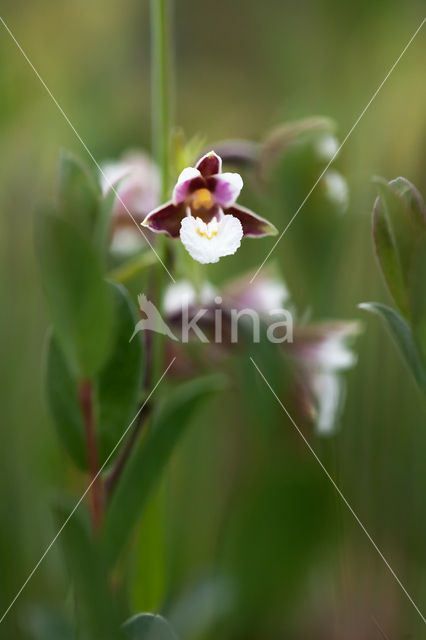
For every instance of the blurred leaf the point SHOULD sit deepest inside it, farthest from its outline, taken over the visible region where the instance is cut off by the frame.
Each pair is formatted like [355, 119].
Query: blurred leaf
[103, 227]
[147, 462]
[95, 610]
[62, 397]
[77, 295]
[46, 624]
[399, 224]
[388, 255]
[402, 336]
[184, 152]
[418, 297]
[133, 267]
[264, 416]
[278, 529]
[147, 626]
[414, 201]
[119, 382]
[117, 386]
[78, 195]
[209, 600]
[150, 554]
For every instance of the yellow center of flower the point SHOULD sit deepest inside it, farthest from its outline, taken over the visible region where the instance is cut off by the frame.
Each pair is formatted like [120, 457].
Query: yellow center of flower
[202, 199]
[206, 230]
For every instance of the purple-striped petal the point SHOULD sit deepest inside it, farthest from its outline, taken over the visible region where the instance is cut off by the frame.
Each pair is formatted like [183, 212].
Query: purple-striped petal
[209, 165]
[253, 225]
[227, 188]
[182, 188]
[166, 219]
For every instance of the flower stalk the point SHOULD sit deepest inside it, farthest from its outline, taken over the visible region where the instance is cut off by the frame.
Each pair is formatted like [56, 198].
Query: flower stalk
[160, 91]
[160, 79]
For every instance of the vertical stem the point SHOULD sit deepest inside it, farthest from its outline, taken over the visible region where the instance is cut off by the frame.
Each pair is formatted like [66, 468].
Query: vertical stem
[160, 79]
[161, 103]
[85, 393]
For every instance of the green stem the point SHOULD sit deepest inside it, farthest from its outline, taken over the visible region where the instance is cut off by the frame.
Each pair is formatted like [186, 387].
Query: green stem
[160, 79]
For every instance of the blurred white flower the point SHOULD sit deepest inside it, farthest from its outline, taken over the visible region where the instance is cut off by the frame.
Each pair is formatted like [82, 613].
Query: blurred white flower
[182, 294]
[137, 182]
[320, 351]
[336, 189]
[323, 351]
[266, 293]
[326, 147]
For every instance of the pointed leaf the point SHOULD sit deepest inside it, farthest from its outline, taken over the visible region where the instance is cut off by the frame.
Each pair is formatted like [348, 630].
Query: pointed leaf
[117, 385]
[413, 200]
[119, 382]
[78, 297]
[399, 224]
[62, 399]
[418, 297]
[403, 337]
[77, 194]
[388, 255]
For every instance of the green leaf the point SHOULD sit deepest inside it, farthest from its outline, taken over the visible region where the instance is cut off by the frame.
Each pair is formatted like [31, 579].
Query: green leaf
[399, 224]
[77, 295]
[147, 626]
[103, 227]
[147, 462]
[117, 385]
[403, 337]
[78, 194]
[418, 297]
[95, 609]
[202, 605]
[413, 200]
[62, 399]
[43, 623]
[388, 253]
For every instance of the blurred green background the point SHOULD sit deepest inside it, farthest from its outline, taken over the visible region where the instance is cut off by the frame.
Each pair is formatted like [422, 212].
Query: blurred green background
[237, 507]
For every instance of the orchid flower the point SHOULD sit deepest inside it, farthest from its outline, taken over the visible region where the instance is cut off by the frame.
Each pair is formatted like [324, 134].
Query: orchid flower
[204, 214]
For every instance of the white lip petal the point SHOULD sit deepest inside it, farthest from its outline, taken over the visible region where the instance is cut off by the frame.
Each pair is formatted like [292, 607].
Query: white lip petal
[206, 247]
